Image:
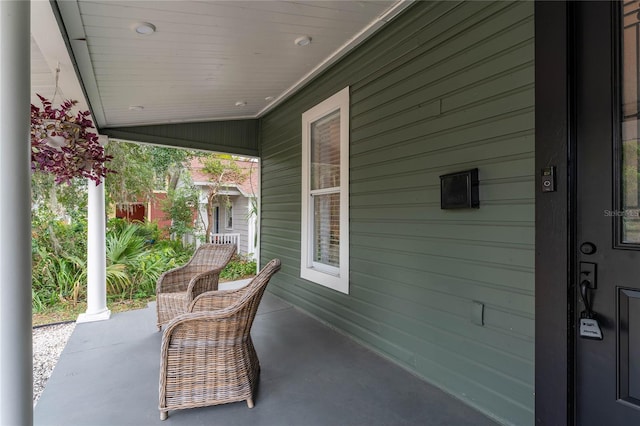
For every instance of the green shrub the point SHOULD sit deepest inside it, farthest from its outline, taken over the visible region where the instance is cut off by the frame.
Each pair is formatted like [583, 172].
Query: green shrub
[56, 279]
[152, 263]
[50, 234]
[179, 205]
[124, 245]
[133, 262]
[150, 232]
[238, 267]
[58, 268]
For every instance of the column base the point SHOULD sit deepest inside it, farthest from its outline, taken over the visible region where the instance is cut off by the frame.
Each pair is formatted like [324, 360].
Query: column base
[100, 316]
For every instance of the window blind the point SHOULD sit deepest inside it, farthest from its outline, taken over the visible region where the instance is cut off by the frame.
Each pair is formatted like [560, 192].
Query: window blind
[325, 152]
[326, 238]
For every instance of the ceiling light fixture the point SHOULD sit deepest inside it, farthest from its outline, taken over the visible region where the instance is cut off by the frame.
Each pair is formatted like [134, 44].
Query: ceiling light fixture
[144, 28]
[303, 41]
[136, 108]
[241, 103]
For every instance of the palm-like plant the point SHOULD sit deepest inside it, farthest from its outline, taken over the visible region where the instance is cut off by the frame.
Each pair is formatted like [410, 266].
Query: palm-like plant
[57, 278]
[132, 267]
[124, 248]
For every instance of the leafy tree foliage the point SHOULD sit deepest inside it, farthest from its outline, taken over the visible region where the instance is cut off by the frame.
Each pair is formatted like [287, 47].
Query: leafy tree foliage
[134, 177]
[59, 199]
[141, 169]
[169, 165]
[180, 205]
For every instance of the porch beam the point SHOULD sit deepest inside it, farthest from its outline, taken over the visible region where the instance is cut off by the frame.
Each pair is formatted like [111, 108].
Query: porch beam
[240, 137]
[16, 365]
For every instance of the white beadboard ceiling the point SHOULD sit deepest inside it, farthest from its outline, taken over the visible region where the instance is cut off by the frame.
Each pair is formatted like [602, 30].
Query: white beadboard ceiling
[204, 57]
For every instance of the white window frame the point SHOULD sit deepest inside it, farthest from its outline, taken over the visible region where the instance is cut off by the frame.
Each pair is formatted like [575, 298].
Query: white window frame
[328, 276]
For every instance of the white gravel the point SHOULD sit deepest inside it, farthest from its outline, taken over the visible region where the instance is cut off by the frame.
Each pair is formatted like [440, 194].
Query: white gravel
[48, 343]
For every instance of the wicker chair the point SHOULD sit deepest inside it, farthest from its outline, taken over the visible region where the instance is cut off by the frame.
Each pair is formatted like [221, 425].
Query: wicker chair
[207, 356]
[177, 287]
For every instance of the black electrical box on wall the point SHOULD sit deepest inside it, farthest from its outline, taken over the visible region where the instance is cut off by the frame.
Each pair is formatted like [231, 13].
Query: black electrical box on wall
[459, 190]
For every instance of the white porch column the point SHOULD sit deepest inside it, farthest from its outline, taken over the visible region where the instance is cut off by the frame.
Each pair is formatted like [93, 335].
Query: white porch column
[96, 255]
[16, 389]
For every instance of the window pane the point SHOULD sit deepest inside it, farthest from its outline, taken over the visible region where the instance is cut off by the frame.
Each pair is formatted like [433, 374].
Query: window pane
[229, 217]
[630, 209]
[326, 229]
[325, 152]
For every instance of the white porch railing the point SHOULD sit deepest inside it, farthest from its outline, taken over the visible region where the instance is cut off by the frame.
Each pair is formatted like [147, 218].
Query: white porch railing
[226, 239]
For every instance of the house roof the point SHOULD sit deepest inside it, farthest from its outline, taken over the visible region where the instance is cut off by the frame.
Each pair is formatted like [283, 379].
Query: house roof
[248, 188]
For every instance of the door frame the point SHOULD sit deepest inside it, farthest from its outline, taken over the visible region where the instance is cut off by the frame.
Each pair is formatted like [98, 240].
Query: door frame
[554, 214]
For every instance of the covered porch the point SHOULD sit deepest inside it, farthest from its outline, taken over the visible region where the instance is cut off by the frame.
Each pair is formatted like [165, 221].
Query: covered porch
[449, 297]
[311, 375]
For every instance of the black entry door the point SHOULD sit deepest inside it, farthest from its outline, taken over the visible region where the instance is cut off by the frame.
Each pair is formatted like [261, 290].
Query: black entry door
[607, 102]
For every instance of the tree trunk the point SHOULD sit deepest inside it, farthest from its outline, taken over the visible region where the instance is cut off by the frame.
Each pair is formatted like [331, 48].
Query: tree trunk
[209, 222]
[210, 219]
[174, 177]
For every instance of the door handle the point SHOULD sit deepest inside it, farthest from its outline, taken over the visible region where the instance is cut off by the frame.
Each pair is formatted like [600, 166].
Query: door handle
[588, 273]
[589, 327]
[585, 285]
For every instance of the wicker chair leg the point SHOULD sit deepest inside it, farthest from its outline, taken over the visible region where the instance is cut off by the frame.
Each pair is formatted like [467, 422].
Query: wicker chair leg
[250, 402]
[164, 415]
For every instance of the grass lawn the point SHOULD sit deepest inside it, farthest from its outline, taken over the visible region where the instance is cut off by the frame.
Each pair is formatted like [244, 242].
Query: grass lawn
[69, 311]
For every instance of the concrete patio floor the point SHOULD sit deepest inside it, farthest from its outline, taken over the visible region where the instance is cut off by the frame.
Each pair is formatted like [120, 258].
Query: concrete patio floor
[311, 375]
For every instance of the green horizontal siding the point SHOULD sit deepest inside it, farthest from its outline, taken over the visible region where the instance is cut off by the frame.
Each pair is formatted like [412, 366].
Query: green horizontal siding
[445, 87]
[234, 137]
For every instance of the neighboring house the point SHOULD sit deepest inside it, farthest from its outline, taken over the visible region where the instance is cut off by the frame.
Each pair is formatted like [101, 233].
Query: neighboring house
[150, 211]
[133, 212]
[235, 216]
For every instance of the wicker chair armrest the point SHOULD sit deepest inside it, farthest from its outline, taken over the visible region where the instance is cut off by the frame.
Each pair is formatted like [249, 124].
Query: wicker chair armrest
[210, 323]
[203, 282]
[215, 300]
[173, 280]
